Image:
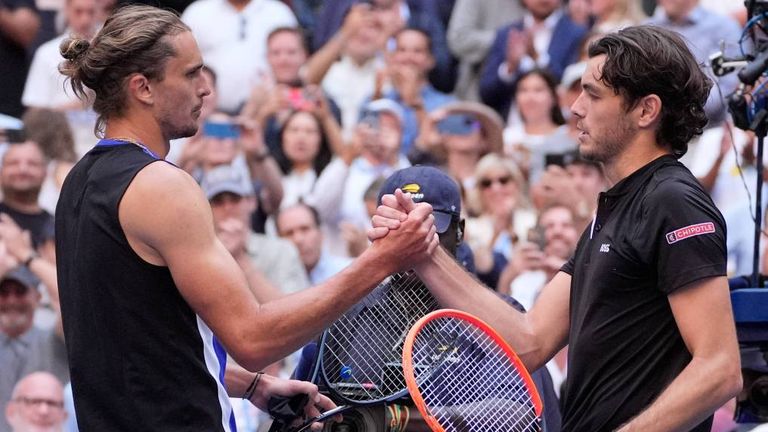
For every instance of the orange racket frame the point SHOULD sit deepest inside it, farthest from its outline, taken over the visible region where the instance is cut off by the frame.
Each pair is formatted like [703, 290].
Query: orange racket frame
[409, 370]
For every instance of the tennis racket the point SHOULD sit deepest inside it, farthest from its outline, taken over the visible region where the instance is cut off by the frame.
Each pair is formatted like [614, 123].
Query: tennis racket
[360, 355]
[463, 377]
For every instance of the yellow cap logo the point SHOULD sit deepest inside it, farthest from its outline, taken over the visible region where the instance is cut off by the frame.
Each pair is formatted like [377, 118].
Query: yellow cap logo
[412, 188]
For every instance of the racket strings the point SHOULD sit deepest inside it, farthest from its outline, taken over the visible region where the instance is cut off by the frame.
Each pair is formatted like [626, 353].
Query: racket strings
[362, 356]
[467, 381]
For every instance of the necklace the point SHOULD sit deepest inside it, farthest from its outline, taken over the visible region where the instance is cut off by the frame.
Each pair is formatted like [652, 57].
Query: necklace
[131, 141]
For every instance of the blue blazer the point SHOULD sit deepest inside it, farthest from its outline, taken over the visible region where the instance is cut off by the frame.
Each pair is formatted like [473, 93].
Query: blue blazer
[563, 50]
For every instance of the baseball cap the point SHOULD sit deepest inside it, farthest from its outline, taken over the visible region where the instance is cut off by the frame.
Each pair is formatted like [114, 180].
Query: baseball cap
[572, 74]
[23, 276]
[384, 105]
[430, 185]
[226, 178]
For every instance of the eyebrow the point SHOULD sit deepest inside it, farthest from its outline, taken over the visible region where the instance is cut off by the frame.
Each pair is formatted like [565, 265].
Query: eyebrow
[591, 88]
[195, 68]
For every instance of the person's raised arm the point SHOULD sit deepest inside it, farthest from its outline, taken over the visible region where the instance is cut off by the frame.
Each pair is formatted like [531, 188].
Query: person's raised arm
[702, 311]
[317, 66]
[168, 221]
[536, 336]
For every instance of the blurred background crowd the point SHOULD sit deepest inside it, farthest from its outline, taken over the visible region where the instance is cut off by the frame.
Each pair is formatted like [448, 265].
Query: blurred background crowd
[315, 103]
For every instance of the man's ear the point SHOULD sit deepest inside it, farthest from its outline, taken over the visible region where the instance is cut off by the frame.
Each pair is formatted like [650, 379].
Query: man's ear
[139, 88]
[649, 111]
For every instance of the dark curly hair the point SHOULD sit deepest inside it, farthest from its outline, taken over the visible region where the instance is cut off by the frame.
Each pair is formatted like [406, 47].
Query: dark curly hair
[645, 60]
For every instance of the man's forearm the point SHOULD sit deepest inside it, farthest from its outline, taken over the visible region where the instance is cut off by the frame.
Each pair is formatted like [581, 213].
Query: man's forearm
[700, 389]
[452, 286]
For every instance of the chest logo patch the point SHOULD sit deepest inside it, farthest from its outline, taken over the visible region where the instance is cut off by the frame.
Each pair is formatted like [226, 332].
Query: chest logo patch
[605, 247]
[690, 231]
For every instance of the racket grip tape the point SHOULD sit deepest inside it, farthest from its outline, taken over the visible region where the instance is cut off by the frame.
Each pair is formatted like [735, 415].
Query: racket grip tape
[286, 410]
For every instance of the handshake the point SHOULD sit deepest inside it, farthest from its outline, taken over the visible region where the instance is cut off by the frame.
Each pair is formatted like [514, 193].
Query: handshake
[420, 209]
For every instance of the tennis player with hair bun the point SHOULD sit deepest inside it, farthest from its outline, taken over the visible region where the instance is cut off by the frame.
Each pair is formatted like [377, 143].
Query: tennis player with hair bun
[151, 301]
[643, 304]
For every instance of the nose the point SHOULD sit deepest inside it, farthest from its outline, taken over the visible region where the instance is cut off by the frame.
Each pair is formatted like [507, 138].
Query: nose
[577, 108]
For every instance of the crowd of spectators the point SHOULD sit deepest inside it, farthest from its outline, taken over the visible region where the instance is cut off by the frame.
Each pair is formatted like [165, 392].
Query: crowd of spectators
[314, 104]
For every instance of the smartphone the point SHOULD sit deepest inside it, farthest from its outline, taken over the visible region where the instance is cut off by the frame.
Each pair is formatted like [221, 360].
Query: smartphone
[537, 236]
[300, 99]
[221, 130]
[559, 159]
[458, 124]
[12, 135]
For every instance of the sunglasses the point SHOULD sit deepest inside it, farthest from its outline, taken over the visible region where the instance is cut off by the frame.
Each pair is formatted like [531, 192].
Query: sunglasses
[486, 183]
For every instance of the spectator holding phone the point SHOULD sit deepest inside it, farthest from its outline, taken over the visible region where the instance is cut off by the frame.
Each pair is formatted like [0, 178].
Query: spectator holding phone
[456, 137]
[239, 143]
[283, 91]
[537, 127]
[309, 139]
[341, 187]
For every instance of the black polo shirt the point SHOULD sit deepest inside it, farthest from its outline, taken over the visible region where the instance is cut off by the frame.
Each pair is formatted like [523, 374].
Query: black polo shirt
[655, 232]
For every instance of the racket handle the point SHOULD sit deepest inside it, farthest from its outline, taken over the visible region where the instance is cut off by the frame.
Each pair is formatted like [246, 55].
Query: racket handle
[286, 410]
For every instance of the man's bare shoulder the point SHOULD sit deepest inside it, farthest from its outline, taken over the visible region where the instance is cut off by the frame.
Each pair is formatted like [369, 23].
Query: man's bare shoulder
[161, 200]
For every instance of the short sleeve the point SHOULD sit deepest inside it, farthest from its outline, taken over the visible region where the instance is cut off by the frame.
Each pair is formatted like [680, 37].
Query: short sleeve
[568, 266]
[682, 233]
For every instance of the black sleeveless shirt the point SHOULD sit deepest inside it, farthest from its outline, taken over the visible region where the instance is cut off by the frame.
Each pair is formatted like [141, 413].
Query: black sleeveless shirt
[140, 358]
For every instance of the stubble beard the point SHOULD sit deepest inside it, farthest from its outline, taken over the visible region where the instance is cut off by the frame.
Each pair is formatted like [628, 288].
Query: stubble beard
[605, 149]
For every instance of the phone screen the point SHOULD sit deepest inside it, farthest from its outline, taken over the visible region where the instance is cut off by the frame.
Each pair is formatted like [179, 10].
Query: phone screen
[221, 130]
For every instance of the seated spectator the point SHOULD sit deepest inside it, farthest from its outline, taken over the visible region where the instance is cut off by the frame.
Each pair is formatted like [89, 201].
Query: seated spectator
[539, 131]
[51, 131]
[27, 229]
[470, 35]
[703, 32]
[24, 348]
[395, 15]
[536, 262]
[300, 224]
[408, 67]
[456, 137]
[37, 404]
[501, 215]
[232, 37]
[273, 99]
[45, 86]
[545, 38]
[260, 256]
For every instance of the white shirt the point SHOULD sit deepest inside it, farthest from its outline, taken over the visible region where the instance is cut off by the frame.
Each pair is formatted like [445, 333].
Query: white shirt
[350, 85]
[45, 86]
[234, 43]
[297, 185]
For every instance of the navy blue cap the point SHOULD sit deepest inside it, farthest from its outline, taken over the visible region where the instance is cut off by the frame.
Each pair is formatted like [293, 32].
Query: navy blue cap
[430, 185]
